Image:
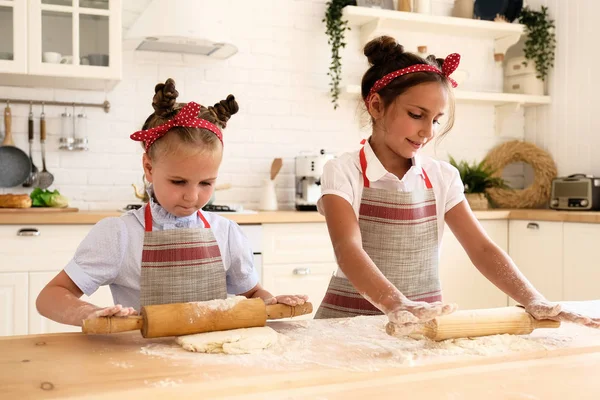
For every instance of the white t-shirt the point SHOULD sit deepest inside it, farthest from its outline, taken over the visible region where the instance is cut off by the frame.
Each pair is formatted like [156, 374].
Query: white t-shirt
[342, 176]
[111, 253]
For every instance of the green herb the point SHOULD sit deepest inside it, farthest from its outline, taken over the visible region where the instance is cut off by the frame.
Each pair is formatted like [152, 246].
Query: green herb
[335, 30]
[46, 198]
[541, 39]
[477, 177]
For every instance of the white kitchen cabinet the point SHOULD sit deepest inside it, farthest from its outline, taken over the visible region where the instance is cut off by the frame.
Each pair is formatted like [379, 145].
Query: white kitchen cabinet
[13, 303]
[39, 324]
[581, 270]
[309, 279]
[537, 249]
[34, 248]
[67, 44]
[13, 36]
[462, 283]
[298, 259]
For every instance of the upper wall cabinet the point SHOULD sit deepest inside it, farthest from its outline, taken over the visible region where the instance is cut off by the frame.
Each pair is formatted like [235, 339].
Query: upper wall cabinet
[13, 36]
[72, 44]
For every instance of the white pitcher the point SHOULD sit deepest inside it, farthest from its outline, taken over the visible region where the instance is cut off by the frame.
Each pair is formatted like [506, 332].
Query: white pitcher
[268, 197]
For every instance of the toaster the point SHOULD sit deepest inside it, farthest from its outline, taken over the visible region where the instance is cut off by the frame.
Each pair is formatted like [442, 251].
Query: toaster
[575, 192]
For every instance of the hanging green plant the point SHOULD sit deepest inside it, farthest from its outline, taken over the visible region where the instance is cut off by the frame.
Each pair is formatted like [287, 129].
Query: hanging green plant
[335, 31]
[541, 39]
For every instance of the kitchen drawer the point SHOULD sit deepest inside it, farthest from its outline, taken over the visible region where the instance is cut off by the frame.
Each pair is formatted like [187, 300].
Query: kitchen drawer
[44, 248]
[297, 243]
[524, 84]
[311, 280]
[515, 66]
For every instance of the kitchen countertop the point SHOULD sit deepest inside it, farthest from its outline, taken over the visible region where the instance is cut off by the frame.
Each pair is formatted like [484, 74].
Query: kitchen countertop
[332, 359]
[281, 217]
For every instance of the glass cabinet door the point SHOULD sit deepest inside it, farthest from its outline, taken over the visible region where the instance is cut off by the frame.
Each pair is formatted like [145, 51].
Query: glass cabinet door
[13, 36]
[76, 38]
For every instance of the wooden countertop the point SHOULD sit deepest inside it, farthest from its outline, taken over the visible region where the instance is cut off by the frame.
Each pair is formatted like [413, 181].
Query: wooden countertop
[282, 217]
[333, 359]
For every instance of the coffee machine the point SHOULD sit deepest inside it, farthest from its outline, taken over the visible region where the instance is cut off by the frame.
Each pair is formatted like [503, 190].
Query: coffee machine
[309, 168]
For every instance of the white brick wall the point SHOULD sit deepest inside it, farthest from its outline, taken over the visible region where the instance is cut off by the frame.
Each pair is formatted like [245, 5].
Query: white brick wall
[568, 128]
[279, 78]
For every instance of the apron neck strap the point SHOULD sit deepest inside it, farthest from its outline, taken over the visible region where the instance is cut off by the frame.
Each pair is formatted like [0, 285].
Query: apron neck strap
[363, 167]
[148, 218]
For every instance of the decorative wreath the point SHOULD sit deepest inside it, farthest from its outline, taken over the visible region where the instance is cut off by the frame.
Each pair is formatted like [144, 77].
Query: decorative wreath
[543, 166]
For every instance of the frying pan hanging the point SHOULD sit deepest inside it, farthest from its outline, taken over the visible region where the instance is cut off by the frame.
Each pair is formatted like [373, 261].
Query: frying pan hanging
[15, 165]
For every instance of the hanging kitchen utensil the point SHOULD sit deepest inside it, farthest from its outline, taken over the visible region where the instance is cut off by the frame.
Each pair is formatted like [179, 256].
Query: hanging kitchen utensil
[45, 178]
[15, 165]
[33, 176]
[275, 167]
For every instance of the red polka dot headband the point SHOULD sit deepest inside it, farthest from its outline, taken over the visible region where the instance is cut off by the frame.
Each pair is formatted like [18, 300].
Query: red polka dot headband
[186, 117]
[448, 67]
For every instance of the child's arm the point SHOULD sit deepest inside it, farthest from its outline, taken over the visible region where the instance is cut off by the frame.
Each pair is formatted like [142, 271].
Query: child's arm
[290, 300]
[59, 301]
[499, 268]
[362, 272]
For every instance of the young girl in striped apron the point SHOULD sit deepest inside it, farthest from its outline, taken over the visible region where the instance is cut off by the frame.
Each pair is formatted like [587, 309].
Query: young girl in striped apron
[168, 251]
[386, 205]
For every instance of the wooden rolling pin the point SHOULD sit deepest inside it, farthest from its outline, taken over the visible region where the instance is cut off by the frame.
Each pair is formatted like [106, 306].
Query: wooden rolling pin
[179, 319]
[474, 323]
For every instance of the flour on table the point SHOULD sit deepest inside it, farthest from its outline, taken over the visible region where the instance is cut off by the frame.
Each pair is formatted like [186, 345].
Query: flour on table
[220, 304]
[236, 341]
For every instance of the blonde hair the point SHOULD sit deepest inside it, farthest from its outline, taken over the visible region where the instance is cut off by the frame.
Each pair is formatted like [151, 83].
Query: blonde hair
[166, 108]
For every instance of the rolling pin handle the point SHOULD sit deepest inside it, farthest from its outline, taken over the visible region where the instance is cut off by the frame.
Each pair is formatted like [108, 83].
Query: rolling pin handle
[103, 325]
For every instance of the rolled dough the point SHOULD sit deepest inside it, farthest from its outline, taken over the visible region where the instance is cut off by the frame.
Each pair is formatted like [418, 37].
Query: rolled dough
[235, 341]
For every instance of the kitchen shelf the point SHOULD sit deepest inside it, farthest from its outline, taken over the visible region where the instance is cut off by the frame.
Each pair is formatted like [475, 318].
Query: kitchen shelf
[373, 22]
[505, 103]
[485, 98]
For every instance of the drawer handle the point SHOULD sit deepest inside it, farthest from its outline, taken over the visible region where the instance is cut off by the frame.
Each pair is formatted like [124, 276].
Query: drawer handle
[533, 225]
[518, 66]
[302, 271]
[516, 86]
[28, 232]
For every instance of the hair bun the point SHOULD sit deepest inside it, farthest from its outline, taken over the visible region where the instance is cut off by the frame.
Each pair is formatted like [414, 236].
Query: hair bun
[165, 96]
[224, 109]
[383, 49]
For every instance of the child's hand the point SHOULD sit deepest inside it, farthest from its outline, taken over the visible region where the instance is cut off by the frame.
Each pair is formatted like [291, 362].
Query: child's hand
[290, 300]
[410, 314]
[114, 311]
[544, 309]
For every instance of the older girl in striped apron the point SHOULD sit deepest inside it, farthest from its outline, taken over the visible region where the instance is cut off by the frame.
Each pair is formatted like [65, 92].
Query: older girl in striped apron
[386, 205]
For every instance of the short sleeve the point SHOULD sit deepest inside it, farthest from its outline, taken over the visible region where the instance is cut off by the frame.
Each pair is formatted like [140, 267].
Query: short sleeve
[98, 258]
[241, 275]
[336, 180]
[456, 188]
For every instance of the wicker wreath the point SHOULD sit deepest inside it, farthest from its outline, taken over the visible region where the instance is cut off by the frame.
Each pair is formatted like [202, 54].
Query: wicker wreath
[543, 166]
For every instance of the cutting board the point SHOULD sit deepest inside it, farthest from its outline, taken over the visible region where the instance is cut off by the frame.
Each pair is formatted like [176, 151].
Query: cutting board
[35, 210]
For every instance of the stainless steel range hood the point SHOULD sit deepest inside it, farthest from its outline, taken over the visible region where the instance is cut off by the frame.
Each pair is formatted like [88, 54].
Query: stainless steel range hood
[183, 26]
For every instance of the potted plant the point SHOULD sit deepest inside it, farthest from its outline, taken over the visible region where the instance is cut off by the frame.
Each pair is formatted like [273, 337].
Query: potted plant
[477, 178]
[335, 28]
[541, 39]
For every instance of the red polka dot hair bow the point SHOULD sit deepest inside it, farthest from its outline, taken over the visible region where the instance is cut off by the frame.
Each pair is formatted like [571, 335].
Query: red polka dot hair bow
[186, 117]
[450, 64]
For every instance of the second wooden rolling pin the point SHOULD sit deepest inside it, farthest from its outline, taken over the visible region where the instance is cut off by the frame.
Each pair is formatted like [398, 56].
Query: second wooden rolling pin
[179, 319]
[474, 323]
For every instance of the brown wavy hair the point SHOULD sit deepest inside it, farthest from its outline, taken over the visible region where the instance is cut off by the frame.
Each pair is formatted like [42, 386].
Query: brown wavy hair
[385, 55]
[166, 108]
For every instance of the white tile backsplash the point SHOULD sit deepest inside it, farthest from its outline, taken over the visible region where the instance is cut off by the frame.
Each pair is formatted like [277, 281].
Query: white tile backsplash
[279, 77]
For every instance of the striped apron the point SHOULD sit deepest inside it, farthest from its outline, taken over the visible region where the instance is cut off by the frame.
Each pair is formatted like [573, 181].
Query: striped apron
[400, 234]
[180, 265]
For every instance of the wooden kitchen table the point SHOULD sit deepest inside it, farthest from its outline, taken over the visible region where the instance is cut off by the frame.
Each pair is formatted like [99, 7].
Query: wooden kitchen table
[324, 359]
